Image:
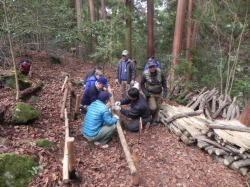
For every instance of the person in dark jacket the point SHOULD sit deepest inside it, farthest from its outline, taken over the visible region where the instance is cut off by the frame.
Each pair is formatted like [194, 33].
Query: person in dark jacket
[139, 108]
[153, 81]
[90, 73]
[125, 73]
[99, 125]
[92, 93]
[152, 58]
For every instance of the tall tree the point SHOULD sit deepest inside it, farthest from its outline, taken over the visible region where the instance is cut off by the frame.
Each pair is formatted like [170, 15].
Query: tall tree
[128, 4]
[78, 5]
[188, 44]
[150, 17]
[245, 115]
[93, 19]
[104, 12]
[178, 32]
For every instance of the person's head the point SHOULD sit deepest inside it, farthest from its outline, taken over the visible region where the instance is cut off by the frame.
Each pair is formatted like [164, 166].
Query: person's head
[102, 82]
[104, 96]
[151, 57]
[133, 93]
[152, 65]
[98, 68]
[125, 55]
[98, 74]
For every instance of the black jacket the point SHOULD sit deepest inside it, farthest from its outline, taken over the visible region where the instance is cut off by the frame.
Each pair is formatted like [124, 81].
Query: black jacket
[90, 95]
[139, 108]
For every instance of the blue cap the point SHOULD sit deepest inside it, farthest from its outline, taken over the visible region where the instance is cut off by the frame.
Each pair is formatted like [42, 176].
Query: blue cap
[152, 63]
[103, 80]
[104, 96]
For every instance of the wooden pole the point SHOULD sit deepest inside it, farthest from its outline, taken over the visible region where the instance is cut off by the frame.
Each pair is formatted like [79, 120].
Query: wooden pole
[64, 102]
[181, 115]
[228, 127]
[76, 111]
[140, 130]
[70, 144]
[66, 151]
[64, 84]
[136, 178]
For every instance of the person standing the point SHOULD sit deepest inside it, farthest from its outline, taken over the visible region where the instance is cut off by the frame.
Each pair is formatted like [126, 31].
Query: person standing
[152, 58]
[125, 73]
[153, 82]
[99, 125]
[139, 109]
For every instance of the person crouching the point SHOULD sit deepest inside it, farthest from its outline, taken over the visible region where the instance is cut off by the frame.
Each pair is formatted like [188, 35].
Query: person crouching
[99, 125]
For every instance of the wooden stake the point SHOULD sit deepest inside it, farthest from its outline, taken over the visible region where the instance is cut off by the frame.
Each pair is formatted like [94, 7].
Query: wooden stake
[136, 178]
[64, 102]
[140, 130]
[76, 111]
[70, 144]
[65, 82]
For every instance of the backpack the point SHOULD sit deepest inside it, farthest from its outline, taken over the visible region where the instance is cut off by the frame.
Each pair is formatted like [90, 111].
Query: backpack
[24, 66]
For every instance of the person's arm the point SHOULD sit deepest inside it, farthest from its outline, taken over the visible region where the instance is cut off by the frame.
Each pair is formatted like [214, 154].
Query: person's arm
[133, 70]
[132, 113]
[158, 64]
[125, 101]
[142, 84]
[108, 120]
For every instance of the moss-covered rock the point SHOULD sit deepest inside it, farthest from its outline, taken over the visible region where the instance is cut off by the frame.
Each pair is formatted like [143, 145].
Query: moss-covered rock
[15, 170]
[24, 113]
[22, 80]
[44, 143]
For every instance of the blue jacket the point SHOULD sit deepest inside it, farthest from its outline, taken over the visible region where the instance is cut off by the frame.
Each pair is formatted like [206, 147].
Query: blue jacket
[97, 116]
[158, 65]
[90, 95]
[90, 81]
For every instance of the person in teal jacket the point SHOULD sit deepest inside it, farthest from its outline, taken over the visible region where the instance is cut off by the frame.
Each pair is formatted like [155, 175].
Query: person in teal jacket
[99, 125]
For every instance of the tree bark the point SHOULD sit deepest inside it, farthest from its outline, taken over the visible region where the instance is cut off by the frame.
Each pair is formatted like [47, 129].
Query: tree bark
[128, 5]
[178, 33]
[245, 115]
[93, 19]
[104, 12]
[150, 17]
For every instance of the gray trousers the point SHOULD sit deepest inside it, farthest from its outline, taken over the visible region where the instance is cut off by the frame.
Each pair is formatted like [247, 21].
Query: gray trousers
[133, 126]
[103, 136]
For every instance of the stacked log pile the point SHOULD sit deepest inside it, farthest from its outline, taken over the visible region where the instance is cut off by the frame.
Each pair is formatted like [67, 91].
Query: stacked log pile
[212, 103]
[226, 141]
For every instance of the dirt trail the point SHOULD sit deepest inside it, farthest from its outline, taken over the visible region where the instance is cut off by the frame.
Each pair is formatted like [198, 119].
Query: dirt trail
[163, 160]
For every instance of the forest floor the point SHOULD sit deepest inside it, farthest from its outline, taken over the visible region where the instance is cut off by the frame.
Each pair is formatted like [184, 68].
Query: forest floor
[164, 161]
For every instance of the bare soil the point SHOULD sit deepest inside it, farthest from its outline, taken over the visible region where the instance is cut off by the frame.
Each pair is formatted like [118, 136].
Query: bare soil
[164, 161]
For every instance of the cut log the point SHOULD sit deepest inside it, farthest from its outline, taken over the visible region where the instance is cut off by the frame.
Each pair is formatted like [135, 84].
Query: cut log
[184, 139]
[219, 159]
[190, 94]
[177, 116]
[220, 152]
[210, 134]
[175, 130]
[76, 111]
[228, 127]
[228, 160]
[241, 163]
[211, 151]
[207, 113]
[243, 171]
[214, 104]
[136, 178]
[31, 90]
[179, 126]
[202, 144]
[186, 133]
[70, 144]
[197, 102]
[219, 110]
[237, 111]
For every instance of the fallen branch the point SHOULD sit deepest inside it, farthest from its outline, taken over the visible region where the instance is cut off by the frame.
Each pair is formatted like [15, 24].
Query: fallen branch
[177, 116]
[228, 127]
[31, 90]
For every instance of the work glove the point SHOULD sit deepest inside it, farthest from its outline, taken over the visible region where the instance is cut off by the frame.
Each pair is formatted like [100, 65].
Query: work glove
[136, 85]
[84, 85]
[117, 103]
[117, 108]
[147, 94]
[116, 81]
[165, 93]
[116, 117]
[132, 83]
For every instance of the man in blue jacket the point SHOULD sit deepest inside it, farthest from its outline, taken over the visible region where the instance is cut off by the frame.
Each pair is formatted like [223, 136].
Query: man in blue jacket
[152, 58]
[91, 80]
[99, 125]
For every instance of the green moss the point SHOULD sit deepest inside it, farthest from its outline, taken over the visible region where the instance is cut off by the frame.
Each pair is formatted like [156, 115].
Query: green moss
[22, 80]
[44, 143]
[34, 99]
[77, 82]
[24, 113]
[15, 169]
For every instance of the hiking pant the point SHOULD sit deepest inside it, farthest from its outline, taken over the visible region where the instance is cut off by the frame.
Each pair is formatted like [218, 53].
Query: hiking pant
[155, 102]
[124, 87]
[133, 126]
[103, 136]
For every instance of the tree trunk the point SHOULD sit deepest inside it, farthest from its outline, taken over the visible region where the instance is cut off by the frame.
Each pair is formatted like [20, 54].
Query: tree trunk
[11, 49]
[128, 5]
[93, 19]
[245, 115]
[150, 16]
[188, 44]
[178, 32]
[104, 12]
[79, 28]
